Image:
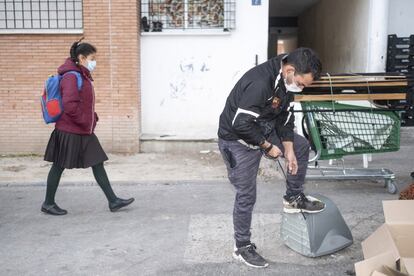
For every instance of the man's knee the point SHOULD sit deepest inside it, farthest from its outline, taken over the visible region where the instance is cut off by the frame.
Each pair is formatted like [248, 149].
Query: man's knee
[245, 202]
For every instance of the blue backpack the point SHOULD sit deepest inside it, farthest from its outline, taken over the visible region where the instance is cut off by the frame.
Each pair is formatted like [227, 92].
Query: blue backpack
[51, 100]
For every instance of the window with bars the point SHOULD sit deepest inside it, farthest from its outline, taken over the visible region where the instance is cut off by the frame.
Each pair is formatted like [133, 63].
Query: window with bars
[160, 15]
[41, 15]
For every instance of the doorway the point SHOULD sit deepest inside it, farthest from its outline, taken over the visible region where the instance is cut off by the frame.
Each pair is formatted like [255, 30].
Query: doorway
[283, 24]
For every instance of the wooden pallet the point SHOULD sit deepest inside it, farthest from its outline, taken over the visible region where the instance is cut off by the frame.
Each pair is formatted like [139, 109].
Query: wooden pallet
[348, 87]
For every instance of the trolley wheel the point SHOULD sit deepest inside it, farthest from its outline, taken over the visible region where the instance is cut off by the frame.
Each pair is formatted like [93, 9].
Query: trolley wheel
[412, 174]
[391, 187]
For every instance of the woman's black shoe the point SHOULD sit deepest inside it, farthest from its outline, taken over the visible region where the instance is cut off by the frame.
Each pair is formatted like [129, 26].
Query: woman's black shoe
[119, 203]
[53, 209]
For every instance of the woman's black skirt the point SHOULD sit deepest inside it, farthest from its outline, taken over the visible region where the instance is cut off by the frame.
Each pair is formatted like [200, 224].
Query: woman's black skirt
[69, 150]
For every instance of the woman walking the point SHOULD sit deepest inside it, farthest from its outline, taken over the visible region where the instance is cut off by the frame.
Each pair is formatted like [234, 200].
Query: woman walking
[73, 143]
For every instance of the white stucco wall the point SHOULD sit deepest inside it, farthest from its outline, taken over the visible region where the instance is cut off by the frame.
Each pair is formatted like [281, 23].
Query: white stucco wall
[187, 78]
[350, 36]
[401, 18]
[377, 36]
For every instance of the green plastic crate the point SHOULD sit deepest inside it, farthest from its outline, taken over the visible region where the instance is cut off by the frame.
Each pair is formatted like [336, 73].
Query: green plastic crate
[340, 133]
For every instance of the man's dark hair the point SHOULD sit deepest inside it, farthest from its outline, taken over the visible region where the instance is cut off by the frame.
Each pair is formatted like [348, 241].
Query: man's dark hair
[79, 48]
[305, 61]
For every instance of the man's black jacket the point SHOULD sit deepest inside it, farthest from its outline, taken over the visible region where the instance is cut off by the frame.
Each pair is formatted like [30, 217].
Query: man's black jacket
[258, 103]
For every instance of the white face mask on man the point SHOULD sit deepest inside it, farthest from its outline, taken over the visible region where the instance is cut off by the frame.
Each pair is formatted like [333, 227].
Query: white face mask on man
[293, 87]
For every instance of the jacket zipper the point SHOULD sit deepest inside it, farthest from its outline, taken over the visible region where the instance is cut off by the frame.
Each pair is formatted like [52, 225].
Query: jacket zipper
[93, 107]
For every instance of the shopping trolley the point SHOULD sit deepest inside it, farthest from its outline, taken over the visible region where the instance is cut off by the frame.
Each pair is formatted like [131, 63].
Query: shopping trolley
[336, 130]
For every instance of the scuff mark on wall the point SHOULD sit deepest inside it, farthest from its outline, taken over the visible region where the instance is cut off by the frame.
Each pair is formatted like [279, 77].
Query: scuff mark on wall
[186, 67]
[204, 68]
[177, 89]
[192, 79]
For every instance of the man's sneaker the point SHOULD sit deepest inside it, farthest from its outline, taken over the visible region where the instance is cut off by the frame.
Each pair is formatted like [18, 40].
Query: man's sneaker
[302, 203]
[248, 255]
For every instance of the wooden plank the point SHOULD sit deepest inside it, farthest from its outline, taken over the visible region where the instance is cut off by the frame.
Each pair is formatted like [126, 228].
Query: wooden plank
[350, 97]
[324, 77]
[362, 76]
[372, 84]
[357, 81]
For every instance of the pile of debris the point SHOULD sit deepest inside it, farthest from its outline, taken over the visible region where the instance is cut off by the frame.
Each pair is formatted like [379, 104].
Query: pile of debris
[407, 193]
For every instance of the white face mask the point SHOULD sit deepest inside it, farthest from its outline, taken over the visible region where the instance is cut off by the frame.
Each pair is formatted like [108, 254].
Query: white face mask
[91, 65]
[293, 87]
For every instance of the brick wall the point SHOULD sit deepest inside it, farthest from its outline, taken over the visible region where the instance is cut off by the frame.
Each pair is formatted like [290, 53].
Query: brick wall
[27, 60]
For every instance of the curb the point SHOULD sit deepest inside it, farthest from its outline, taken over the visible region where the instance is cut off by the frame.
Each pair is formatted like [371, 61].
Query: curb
[114, 183]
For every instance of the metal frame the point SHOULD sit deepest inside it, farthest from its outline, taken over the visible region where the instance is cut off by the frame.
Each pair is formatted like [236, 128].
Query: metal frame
[393, 88]
[161, 15]
[41, 15]
[335, 173]
[343, 173]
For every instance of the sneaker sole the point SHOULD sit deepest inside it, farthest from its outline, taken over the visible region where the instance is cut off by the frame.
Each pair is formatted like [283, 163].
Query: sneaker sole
[240, 258]
[295, 211]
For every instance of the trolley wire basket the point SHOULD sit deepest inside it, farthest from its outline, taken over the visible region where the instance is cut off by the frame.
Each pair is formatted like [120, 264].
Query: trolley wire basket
[336, 130]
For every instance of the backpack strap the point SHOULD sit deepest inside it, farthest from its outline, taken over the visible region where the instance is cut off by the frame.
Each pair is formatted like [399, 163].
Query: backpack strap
[78, 78]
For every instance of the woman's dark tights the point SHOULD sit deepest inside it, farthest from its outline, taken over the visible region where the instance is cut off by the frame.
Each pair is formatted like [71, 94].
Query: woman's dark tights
[99, 173]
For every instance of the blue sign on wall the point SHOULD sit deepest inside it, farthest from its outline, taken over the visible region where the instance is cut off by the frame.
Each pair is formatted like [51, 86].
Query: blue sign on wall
[256, 2]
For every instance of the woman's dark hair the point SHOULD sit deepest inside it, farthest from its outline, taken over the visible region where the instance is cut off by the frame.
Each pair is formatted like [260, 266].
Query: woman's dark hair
[81, 49]
[305, 61]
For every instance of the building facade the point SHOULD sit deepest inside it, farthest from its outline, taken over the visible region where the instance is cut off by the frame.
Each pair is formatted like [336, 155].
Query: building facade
[35, 38]
[165, 67]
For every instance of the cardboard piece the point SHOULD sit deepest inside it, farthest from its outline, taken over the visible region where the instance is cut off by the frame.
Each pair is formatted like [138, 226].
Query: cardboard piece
[366, 267]
[407, 266]
[392, 244]
[398, 211]
[376, 273]
[393, 272]
[388, 272]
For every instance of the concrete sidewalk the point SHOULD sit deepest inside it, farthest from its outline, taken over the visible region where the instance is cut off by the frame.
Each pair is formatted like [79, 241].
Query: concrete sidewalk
[123, 169]
[180, 224]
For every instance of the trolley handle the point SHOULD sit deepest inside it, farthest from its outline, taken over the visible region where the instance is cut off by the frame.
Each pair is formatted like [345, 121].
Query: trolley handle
[312, 144]
[316, 157]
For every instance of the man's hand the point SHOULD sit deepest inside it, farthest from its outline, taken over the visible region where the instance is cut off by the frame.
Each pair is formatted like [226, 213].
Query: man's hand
[292, 163]
[274, 152]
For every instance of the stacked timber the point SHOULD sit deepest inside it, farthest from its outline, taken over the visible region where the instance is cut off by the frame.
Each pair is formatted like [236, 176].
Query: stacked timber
[385, 90]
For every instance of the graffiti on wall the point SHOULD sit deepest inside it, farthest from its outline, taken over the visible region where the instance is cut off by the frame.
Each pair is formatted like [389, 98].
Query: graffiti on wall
[192, 79]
